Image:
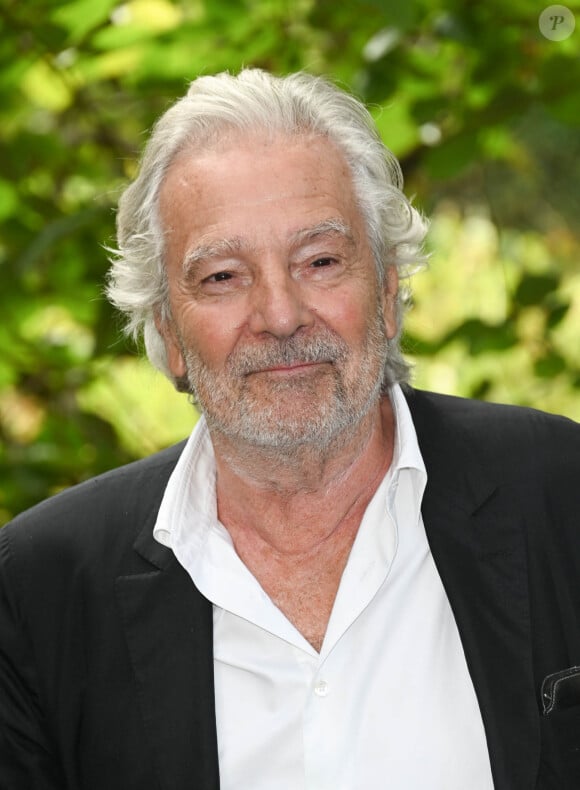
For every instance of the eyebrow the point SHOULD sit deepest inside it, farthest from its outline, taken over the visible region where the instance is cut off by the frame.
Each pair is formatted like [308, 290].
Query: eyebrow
[226, 247]
[215, 249]
[328, 227]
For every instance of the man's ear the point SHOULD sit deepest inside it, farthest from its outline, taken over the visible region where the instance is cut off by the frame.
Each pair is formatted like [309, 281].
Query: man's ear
[169, 334]
[389, 298]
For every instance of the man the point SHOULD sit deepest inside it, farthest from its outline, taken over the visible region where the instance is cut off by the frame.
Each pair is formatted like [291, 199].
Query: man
[337, 582]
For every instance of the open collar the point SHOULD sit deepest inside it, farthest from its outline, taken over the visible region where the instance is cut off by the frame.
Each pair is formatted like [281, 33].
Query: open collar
[477, 536]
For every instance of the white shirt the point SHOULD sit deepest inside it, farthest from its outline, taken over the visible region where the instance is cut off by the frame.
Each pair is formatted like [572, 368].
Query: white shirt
[388, 702]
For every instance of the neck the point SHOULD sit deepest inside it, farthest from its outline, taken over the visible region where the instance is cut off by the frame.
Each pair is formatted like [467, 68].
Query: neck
[295, 501]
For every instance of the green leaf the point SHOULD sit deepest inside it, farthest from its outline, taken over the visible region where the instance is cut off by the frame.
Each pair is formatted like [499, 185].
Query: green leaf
[533, 288]
[480, 337]
[556, 313]
[396, 14]
[452, 156]
[82, 16]
[396, 126]
[550, 365]
[8, 199]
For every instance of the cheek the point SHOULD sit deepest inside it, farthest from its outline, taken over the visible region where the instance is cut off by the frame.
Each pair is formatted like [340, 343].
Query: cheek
[211, 335]
[351, 317]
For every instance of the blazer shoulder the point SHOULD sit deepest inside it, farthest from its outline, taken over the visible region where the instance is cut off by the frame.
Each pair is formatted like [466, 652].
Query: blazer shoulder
[104, 511]
[504, 436]
[476, 415]
[474, 411]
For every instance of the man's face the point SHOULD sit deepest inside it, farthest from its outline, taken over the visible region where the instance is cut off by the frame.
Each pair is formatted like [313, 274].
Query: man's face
[277, 320]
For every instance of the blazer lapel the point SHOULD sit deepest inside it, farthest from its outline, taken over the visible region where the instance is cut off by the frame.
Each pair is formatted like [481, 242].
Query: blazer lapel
[168, 626]
[479, 549]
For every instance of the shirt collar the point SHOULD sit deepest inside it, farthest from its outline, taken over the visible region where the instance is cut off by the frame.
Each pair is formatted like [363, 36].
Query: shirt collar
[189, 501]
[189, 497]
[406, 453]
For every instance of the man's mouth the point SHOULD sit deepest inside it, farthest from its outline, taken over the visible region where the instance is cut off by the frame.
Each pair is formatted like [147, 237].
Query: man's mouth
[290, 368]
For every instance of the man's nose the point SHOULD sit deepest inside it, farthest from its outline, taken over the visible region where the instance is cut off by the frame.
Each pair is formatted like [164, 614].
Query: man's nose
[278, 305]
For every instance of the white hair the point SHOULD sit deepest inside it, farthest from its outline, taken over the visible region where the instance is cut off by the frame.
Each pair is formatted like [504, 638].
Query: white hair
[255, 101]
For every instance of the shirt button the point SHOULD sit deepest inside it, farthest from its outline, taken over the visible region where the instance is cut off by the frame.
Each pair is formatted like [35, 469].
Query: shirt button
[321, 688]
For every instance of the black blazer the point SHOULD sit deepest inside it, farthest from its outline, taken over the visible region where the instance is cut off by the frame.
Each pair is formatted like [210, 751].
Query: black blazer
[106, 670]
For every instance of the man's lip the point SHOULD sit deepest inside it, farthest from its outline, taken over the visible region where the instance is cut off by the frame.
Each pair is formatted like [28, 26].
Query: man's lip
[293, 368]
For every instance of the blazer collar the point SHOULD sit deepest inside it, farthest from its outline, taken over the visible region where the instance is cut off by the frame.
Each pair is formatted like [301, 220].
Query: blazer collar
[169, 633]
[477, 540]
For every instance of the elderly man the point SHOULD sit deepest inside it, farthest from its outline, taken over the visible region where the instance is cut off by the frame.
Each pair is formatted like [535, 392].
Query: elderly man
[337, 583]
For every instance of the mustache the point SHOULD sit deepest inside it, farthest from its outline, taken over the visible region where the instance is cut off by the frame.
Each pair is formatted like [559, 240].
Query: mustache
[322, 347]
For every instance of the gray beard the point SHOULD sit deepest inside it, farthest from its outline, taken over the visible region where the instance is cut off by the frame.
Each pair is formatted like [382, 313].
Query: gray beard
[267, 422]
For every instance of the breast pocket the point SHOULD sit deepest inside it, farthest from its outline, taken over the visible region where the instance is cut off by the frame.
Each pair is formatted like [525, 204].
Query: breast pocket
[560, 728]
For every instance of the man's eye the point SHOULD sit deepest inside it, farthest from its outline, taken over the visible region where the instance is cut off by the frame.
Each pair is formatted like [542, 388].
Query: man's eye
[323, 262]
[218, 277]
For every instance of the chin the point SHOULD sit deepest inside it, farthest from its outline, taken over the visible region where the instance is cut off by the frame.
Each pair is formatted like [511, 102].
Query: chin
[274, 428]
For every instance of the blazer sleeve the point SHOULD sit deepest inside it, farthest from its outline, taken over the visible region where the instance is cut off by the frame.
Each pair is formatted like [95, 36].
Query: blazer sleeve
[27, 757]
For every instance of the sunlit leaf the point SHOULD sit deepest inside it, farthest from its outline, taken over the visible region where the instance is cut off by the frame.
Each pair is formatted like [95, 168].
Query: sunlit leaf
[8, 199]
[114, 64]
[45, 87]
[155, 15]
[396, 126]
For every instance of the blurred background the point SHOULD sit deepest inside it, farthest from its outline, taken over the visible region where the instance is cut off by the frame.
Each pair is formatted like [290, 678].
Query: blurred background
[481, 107]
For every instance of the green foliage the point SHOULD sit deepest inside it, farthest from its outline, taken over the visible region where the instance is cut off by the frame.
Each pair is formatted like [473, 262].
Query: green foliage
[481, 109]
